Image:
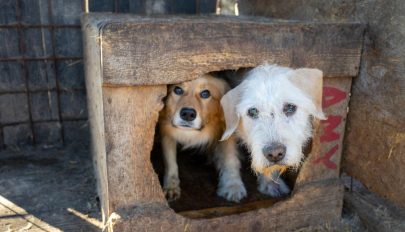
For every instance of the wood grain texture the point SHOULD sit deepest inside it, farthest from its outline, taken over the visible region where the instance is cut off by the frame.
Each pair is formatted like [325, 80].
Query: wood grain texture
[130, 117]
[162, 50]
[228, 210]
[94, 82]
[308, 170]
[328, 150]
[311, 205]
[377, 214]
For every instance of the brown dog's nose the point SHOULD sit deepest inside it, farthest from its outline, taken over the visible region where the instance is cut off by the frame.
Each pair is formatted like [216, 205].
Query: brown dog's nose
[275, 152]
[188, 114]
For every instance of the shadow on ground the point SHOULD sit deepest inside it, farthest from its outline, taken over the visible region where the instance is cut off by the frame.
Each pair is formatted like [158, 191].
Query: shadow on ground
[48, 190]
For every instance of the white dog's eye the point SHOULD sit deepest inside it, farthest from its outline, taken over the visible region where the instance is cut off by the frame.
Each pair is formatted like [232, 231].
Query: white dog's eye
[177, 90]
[205, 94]
[289, 109]
[253, 112]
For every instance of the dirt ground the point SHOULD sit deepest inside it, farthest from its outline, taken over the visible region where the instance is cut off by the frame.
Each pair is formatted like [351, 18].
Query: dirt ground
[52, 190]
[48, 191]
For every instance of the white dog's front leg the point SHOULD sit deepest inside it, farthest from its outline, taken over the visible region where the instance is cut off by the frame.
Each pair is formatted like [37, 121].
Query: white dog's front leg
[171, 182]
[273, 185]
[227, 161]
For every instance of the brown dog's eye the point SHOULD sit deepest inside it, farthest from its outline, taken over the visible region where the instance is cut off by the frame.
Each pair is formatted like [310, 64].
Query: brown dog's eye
[177, 90]
[205, 94]
[289, 109]
[253, 113]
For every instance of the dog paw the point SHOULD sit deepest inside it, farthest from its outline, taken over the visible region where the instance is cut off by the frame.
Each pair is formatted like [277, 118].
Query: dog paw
[273, 188]
[234, 191]
[172, 193]
[171, 188]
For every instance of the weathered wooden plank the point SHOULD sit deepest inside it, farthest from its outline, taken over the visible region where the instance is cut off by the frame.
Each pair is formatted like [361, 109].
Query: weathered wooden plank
[376, 213]
[311, 205]
[93, 74]
[228, 210]
[161, 50]
[324, 161]
[130, 117]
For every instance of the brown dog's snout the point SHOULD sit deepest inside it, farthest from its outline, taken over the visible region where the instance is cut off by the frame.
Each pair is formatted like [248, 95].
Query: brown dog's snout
[188, 114]
[274, 152]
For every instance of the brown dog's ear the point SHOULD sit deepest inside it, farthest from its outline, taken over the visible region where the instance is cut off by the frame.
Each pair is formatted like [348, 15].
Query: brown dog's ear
[228, 103]
[311, 82]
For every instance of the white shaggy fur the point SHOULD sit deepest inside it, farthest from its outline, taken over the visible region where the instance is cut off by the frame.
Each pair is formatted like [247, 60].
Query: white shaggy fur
[268, 88]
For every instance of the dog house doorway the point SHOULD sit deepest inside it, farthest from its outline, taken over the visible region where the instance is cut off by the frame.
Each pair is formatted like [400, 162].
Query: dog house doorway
[199, 178]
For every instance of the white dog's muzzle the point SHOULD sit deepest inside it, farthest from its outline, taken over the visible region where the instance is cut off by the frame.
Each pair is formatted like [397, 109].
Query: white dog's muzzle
[274, 152]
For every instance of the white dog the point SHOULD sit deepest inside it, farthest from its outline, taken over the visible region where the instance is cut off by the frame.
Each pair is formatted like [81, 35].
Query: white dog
[270, 111]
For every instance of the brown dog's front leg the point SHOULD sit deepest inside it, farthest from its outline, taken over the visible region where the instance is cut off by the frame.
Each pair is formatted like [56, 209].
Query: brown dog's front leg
[171, 182]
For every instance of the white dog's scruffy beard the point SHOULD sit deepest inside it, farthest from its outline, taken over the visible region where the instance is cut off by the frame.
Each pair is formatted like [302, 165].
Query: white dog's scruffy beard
[258, 136]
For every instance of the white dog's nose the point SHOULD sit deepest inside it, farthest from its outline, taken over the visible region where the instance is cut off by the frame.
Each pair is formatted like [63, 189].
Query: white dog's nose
[275, 152]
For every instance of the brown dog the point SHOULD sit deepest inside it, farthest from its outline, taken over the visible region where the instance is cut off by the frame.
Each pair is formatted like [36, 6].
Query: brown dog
[193, 117]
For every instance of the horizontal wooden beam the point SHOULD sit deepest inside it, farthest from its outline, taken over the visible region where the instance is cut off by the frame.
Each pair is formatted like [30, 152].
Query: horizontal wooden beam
[163, 50]
[311, 205]
[229, 210]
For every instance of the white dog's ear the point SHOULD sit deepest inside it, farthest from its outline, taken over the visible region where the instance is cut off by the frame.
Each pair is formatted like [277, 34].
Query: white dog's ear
[311, 82]
[228, 103]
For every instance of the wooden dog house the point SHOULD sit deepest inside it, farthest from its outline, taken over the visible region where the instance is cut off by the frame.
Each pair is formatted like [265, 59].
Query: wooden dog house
[130, 59]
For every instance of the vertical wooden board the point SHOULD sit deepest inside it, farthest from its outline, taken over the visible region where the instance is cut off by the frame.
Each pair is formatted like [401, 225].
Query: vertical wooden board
[131, 114]
[92, 68]
[307, 170]
[324, 163]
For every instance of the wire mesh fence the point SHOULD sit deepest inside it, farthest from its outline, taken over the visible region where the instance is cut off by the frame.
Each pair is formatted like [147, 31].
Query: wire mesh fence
[42, 90]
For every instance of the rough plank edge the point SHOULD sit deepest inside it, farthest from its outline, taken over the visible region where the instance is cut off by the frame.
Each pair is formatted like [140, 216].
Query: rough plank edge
[228, 210]
[104, 21]
[376, 213]
[311, 171]
[93, 77]
[306, 172]
[352, 71]
[301, 210]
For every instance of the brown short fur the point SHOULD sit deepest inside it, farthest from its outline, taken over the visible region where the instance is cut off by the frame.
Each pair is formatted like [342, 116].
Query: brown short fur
[210, 110]
[202, 131]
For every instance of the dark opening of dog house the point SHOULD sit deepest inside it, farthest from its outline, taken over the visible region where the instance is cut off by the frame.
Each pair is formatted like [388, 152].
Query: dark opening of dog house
[140, 74]
[201, 177]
